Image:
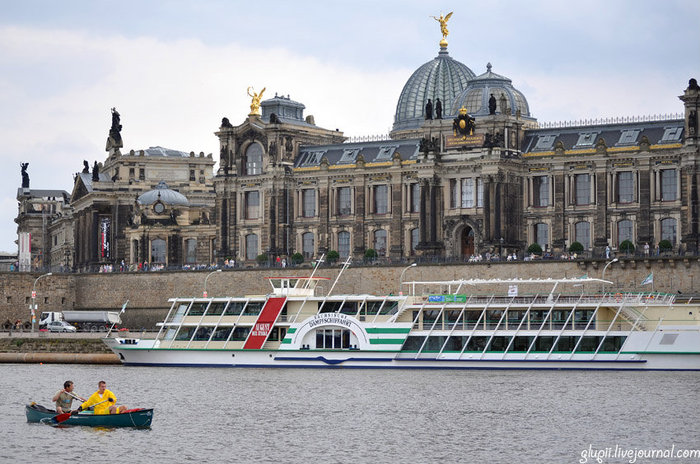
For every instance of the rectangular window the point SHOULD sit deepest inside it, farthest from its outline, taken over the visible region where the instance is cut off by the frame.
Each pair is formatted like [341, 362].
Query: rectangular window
[344, 244]
[668, 185]
[415, 197]
[251, 246]
[583, 234]
[479, 193]
[542, 235]
[453, 193]
[625, 187]
[132, 173]
[142, 174]
[308, 198]
[344, 201]
[381, 199]
[252, 205]
[467, 193]
[192, 176]
[583, 189]
[191, 251]
[540, 185]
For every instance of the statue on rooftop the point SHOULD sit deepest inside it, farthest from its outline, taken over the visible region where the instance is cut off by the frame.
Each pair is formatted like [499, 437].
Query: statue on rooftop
[443, 26]
[95, 172]
[25, 176]
[429, 109]
[492, 105]
[86, 167]
[114, 141]
[438, 109]
[255, 103]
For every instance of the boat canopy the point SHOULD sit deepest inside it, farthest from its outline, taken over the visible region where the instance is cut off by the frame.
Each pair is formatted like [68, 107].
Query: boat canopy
[294, 286]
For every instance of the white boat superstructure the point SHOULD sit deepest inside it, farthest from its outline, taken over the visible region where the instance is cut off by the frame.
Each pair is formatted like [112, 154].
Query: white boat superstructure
[459, 324]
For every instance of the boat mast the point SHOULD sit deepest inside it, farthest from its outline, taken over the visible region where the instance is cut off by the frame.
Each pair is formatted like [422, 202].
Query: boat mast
[345, 266]
[318, 264]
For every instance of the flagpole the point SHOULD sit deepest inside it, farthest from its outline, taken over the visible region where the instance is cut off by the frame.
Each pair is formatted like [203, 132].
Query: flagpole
[120, 313]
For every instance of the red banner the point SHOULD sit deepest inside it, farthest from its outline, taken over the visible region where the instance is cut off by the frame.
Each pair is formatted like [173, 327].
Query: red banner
[263, 326]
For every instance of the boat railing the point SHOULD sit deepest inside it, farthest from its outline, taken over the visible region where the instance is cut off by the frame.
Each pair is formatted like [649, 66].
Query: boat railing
[570, 299]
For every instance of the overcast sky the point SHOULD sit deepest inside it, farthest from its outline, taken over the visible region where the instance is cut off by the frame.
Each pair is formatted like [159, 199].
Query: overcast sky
[173, 69]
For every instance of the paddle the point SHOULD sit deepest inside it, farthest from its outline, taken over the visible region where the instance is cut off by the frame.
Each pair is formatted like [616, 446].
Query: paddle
[66, 415]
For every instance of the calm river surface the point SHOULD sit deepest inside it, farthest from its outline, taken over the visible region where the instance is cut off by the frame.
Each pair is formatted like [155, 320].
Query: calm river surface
[339, 416]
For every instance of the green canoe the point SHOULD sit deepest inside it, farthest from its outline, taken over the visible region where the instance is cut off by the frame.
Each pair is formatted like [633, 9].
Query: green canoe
[133, 418]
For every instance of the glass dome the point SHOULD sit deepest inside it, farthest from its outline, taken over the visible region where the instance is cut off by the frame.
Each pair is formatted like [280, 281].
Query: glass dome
[442, 77]
[475, 97]
[164, 194]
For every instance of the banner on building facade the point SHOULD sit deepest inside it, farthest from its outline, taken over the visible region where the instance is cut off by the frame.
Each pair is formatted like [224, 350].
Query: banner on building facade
[105, 242]
[25, 252]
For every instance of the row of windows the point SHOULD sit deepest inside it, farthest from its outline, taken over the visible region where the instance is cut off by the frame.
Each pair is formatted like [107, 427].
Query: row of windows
[518, 344]
[625, 231]
[624, 188]
[308, 243]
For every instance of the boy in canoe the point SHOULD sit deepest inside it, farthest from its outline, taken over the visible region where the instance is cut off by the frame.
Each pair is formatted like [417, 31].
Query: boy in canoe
[103, 400]
[64, 398]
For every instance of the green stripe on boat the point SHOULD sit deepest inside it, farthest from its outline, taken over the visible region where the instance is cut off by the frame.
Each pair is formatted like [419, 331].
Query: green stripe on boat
[291, 330]
[286, 341]
[387, 330]
[386, 341]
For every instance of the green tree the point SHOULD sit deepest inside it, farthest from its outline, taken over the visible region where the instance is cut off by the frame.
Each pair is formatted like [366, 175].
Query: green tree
[332, 256]
[535, 248]
[576, 247]
[627, 247]
[665, 245]
[261, 258]
[370, 254]
[297, 258]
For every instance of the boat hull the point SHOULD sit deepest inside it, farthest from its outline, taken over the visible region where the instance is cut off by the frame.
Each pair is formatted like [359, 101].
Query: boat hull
[140, 418]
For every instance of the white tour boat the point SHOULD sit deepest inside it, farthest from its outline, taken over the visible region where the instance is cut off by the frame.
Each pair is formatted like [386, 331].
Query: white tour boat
[461, 324]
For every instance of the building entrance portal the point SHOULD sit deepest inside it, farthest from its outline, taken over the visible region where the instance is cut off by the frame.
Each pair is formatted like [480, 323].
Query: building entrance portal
[467, 242]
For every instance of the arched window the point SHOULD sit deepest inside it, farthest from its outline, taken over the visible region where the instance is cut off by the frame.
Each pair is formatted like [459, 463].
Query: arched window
[344, 244]
[158, 251]
[191, 251]
[668, 230]
[624, 231]
[380, 242]
[542, 235]
[251, 246]
[253, 159]
[307, 244]
[414, 240]
[582, 234]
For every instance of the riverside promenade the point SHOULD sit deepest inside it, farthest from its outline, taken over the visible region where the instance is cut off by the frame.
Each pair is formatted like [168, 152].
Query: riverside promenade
[59, 348]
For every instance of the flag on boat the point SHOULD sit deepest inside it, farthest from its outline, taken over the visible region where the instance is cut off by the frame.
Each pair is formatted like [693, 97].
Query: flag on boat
[585, 276]
[124, 307]
[649, 279]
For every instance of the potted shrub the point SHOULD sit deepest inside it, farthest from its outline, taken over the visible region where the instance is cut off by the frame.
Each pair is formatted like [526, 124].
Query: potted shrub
[576, 247]
[370, 254]
[297, 258]
[332, 256]
[627, 247]
[535, 249]
[665, 246]
[261, 259]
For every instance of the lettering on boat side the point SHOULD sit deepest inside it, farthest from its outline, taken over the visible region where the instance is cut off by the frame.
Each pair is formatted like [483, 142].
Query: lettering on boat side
[329, 318]
[261, 330]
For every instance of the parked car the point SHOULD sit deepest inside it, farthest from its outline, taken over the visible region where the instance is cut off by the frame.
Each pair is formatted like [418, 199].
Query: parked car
[60, 326]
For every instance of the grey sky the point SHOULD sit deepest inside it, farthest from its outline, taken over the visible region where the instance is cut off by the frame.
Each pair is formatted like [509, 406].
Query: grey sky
[174, 68]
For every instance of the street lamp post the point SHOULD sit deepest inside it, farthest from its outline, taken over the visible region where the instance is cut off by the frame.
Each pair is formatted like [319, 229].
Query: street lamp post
[614, 260]
[34, 308]
[207, 278]
[401, 278]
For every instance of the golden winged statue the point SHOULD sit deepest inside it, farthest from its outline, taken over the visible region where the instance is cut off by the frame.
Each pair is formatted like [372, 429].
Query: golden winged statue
[255, 103]
[443, 26]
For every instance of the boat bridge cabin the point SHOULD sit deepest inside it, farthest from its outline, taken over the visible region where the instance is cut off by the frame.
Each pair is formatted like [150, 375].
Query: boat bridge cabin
[295, 286]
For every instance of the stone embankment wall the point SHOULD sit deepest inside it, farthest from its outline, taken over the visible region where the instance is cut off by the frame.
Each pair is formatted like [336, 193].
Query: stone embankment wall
[148, 292]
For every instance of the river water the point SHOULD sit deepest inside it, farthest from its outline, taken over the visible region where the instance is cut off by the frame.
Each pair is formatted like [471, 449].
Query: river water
[338, 416]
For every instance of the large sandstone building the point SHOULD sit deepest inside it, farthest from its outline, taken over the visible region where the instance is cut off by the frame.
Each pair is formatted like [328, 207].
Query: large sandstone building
[466, 169]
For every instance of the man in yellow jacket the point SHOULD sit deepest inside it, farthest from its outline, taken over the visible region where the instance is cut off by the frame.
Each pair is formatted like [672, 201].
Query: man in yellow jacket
[103, 400]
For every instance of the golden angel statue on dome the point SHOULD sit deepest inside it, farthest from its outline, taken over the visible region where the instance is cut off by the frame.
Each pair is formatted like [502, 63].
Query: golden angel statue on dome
[443, 24]
[255, 103]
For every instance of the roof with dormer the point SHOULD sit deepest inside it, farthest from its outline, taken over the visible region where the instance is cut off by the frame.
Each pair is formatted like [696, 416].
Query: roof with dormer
[618, 137]
[347, 154]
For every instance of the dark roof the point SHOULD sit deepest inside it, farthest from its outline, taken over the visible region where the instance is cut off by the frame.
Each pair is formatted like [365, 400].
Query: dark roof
[616, 135]
[347, 153]
[38, 193]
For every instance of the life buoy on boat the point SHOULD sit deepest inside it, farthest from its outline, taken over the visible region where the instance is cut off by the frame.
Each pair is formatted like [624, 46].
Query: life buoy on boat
[618, 297]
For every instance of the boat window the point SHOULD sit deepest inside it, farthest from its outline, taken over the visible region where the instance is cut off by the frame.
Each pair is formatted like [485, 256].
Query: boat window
[537, 317]
[515, 316]
[499, 344]
[349, 308]
[372, 307]
[331, 306]
[588, 344]
[185, 333]
[543, 344]
[202, 334]
[216, 308]
[389, 307]
[198, 308]
[493, 317]
[413, 343]
[521, 344]
[277, 334]
[566, 344]
[559, 318]
[334, 339]
[581, 318]
[455, 343]
[613, 343]
[221, 334]
[235, 308]
[253, 308]
[451, 320]
[471, 317]
[477, 344]
[240, 334]
[430, 317]
[179, 313]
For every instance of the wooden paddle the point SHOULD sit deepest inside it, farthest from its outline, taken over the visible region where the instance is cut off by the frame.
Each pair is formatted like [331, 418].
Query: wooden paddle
[66, 415]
